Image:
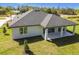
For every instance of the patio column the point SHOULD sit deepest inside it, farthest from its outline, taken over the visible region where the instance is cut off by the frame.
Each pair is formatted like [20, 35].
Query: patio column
[61, 33]
[74, 30]
[46, 34]
[56, 29]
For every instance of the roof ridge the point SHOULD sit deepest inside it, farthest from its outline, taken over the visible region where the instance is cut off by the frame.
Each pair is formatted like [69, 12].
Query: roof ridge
[24, 14]
[46, 20]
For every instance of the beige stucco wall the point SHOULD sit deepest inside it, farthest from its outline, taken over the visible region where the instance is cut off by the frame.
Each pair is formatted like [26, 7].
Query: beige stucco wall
[31, 31]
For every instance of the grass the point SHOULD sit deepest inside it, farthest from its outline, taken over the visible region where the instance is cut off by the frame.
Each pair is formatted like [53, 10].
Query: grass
[1, 18]
[8, 45]
[67, 45]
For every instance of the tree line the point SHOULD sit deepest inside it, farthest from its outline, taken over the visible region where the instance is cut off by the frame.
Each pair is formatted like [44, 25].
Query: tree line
[22, 9]
[68, 11]
[6, 10]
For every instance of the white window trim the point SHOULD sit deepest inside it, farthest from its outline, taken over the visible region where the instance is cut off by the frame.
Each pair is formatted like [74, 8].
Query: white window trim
[23, 31]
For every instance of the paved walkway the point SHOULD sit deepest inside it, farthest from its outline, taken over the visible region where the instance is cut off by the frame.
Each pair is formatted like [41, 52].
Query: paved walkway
[3, 21]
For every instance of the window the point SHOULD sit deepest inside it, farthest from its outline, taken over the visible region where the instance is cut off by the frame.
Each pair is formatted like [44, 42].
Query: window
[23, 30]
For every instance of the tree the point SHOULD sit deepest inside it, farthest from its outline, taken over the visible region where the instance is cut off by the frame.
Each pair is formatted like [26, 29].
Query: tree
[7, 25]
[6, 10]
[54, 11]
[77, 11]
[2, 12]
[68, 11]
[22, 10]
[4, 30]
[49, 10]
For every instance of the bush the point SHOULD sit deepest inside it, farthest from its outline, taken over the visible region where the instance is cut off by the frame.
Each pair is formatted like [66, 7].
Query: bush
[4, 30]
[7, 24]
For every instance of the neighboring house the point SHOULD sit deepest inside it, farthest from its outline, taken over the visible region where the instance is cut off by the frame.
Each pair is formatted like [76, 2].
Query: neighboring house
[35, 23]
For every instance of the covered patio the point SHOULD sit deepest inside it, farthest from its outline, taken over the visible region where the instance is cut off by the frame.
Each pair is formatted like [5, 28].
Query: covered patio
[56, 27]
[56, 33]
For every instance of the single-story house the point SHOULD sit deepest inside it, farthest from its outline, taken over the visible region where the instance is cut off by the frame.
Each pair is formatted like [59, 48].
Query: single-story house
[35, 23]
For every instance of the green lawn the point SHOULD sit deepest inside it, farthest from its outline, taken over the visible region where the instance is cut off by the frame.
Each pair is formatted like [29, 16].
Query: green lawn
[1, 18]
[67, 45]
[8, 45]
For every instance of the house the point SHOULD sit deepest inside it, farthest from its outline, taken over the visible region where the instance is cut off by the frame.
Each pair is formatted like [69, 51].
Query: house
[35, 23]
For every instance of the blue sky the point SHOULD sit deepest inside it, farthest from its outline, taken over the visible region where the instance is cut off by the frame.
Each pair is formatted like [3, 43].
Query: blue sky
[60, 5]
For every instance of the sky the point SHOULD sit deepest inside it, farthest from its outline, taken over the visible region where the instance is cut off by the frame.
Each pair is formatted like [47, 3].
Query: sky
[49, 5]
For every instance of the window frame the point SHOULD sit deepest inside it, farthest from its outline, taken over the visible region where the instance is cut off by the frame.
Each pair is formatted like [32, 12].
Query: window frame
[23, 30]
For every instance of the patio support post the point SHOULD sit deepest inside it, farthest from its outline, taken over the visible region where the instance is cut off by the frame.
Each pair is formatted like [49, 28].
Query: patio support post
[74, 30]
[61, 33]
[46, 34]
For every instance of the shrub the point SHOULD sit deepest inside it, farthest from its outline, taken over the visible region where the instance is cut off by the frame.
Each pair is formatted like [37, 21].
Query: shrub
[4, 30]
[7, 24]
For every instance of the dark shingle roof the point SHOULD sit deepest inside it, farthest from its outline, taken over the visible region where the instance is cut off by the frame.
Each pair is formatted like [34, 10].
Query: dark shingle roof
[32, 18]
[56, 21]
[39, 18]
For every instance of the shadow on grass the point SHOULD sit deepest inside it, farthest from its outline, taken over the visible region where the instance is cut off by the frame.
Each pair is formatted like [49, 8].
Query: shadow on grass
[59, 42]
[30, 40]
[66, 40]
[20, 41]
[7, 34]
[78, 20]
[29, 52]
